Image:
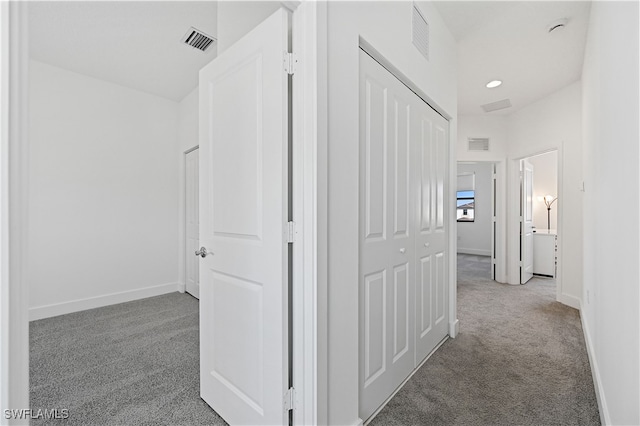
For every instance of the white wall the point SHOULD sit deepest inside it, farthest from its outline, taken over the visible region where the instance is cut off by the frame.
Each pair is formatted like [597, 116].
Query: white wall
[611, 300]
[237, 18]
[552, 123]
[545, 182]
[475, 237]
[387, 27]
[103, 190]
[493, 127]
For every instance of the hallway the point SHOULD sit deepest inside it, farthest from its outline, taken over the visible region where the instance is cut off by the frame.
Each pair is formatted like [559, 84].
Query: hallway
[520, 358]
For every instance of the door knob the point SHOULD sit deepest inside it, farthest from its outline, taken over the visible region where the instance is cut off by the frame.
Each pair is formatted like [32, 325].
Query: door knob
[427, 244]
[402, 250]
[203, 252]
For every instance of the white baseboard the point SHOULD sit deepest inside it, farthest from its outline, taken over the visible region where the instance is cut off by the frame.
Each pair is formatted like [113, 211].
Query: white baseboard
[605, 418]
[572, 301]
[358, 422]
[454, 328]
[182, 287]
[477, 252]
[40, 312]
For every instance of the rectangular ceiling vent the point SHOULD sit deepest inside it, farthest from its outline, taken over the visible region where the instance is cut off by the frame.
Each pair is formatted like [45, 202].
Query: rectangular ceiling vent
[198, 40]
[478, 144]
[494, 106]
[420, 32]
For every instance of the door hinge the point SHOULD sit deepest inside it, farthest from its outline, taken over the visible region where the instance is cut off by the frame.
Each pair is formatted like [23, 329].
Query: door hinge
[290, 399]
[291, 232]
[290, 61]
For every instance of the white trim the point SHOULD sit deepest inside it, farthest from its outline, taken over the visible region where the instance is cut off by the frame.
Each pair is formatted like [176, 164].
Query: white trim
[568, 300]
[477, 252]
[454, 328]
[605, 417]
[305, 116]
[182, 218]
[53, 310]
[14, 148]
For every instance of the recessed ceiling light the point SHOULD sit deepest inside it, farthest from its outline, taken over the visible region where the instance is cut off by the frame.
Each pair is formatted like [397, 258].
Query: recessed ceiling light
[494, 83]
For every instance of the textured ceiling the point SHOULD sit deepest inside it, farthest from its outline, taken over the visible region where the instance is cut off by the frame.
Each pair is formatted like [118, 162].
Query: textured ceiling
[509, 41]
[134, 44]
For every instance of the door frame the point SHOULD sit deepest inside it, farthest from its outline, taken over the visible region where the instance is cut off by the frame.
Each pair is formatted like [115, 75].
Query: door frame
[183, 220]
[309, 144]
[514, 219]
[498, 220]
[14, 148]
[452, 176]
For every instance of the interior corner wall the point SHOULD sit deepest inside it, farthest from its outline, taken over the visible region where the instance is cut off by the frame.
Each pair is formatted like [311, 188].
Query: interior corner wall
[387, 27]
[610, 309]
[188, 138]
[545, 182]
[237, 18]
[103, 191]
[552, 123]
[475, 237]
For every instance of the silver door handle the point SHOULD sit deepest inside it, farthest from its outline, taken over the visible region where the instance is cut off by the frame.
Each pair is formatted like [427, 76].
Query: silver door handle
[402, 250]
[203, 252]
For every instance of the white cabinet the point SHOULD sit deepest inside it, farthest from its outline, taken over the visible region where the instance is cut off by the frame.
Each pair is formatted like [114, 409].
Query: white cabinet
[544, 252]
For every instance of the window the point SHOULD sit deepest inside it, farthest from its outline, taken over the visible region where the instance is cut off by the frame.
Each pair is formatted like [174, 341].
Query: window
[465, 206]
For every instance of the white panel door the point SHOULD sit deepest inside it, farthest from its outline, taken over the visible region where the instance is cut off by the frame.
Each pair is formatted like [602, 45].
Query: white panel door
[192, 239]
[526, 223]
[243, 219]
[387, 254]
[432, 295]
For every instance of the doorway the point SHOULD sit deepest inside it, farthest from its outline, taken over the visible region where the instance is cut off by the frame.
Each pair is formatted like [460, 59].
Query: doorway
[476, 214]
[541, 202]
[191, 225]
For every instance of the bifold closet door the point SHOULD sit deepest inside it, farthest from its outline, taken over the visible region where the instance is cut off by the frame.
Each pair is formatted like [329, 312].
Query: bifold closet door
[387, 354]
[403, 257]
[432, 293]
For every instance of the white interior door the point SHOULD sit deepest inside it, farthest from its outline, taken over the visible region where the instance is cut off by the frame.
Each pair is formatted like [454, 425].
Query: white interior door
[403, 274]
[387, 229]
[192, 278]
[526, 223]
[432, 292]
[243, 219]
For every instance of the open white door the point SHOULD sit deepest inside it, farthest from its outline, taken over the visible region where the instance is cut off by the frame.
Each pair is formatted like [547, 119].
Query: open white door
[526, 222]
[243, 223]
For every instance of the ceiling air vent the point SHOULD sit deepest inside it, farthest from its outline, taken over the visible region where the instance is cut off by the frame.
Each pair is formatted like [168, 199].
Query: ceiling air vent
[478, 144]
[494, 106]
[198, 40]
[420, 32]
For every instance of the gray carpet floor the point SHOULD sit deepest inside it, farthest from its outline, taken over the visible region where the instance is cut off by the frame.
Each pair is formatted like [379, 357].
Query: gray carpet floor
[519, 359]
[134, 363]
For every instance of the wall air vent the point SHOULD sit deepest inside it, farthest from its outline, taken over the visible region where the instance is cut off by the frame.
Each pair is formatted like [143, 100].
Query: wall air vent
[420, 32]
[198, 40]
[478, 144]
[494, 106]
